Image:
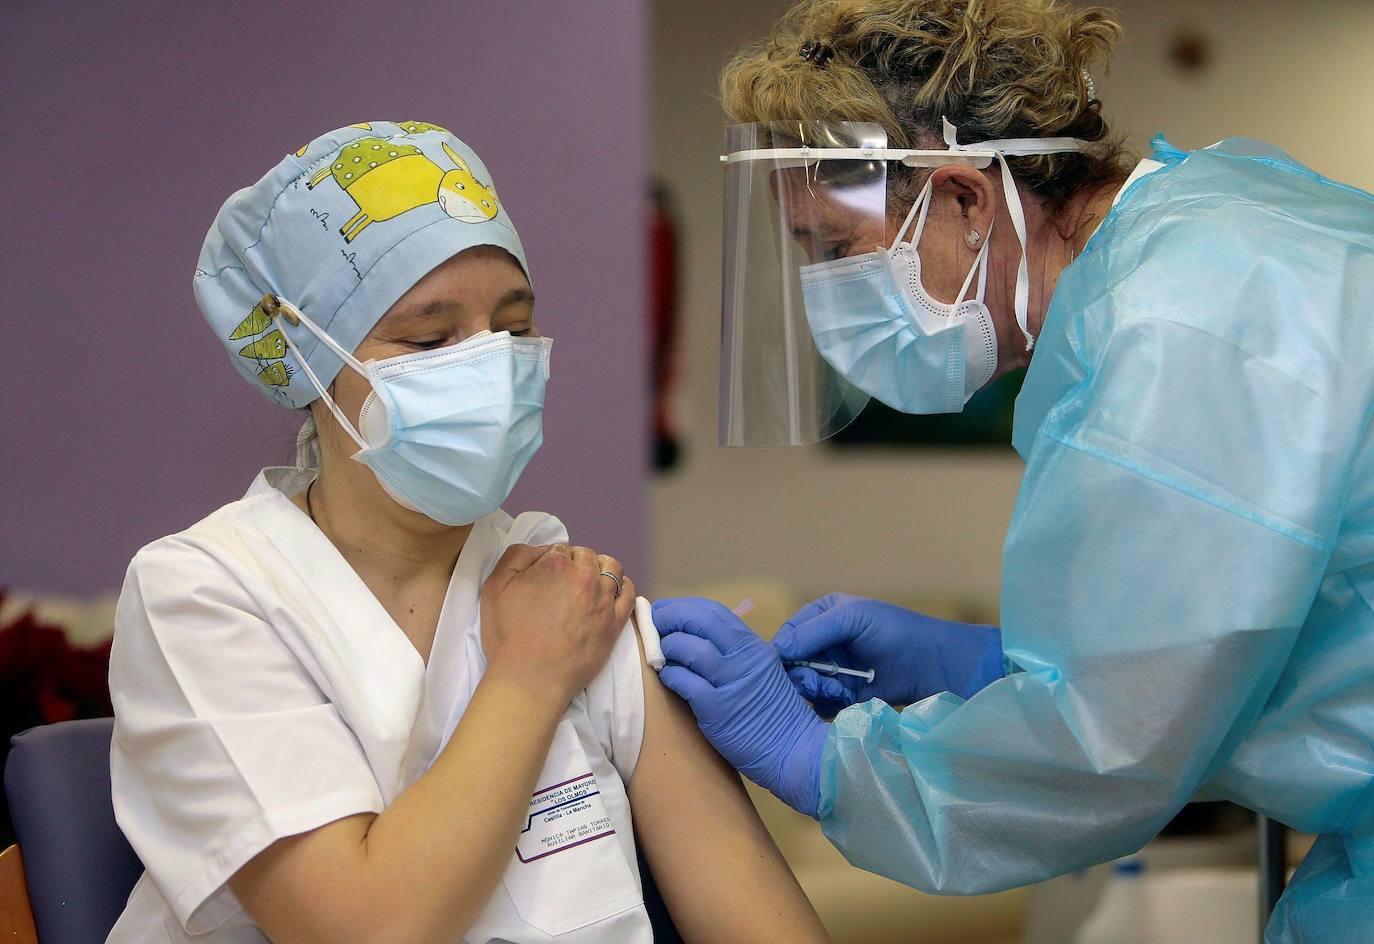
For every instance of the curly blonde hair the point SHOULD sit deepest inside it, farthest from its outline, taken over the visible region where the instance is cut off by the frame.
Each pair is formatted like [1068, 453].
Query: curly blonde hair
[995, 68]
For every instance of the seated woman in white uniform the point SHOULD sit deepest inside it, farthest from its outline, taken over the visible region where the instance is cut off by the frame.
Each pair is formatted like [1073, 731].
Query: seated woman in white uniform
[362, 703]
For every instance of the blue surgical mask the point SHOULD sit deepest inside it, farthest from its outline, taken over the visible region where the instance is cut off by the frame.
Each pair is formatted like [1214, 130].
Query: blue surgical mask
[447, 432]
[874, 322]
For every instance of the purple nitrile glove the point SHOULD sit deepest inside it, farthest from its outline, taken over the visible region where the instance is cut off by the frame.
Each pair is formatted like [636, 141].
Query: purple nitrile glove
[913, 656]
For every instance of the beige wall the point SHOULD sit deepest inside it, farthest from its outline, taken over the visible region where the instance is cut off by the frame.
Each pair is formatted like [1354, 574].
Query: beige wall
[928, 525]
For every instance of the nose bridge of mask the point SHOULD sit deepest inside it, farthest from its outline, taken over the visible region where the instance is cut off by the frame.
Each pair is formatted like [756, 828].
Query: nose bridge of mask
[373, 419]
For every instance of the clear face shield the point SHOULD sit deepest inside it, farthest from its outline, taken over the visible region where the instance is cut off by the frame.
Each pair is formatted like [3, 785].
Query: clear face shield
[786, 210]
[798, 194]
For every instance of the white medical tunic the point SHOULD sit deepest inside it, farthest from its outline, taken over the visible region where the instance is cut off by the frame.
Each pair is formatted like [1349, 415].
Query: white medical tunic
[261, 691]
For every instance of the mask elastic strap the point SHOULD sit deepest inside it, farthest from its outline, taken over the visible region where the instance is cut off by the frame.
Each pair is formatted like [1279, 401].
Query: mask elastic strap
[284, 309]
[1016, 147]
[921, 206]
[980, 265]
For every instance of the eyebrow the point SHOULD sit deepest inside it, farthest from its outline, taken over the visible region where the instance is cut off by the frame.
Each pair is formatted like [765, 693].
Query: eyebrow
[515, 296]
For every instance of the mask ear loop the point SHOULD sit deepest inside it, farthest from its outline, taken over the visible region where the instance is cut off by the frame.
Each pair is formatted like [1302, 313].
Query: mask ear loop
[278, 307]
[980, 265]
[1015, 147]
[921, 206]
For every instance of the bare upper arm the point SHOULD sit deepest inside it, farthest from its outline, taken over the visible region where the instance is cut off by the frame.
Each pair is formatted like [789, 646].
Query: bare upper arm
[716, 865]
[300, 885]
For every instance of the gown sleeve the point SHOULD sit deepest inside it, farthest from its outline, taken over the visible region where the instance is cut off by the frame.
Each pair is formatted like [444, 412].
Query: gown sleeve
[1178, 511]
[223, 743]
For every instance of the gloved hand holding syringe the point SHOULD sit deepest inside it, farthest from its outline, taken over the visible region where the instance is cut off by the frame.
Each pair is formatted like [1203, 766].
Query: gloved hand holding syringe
[824, 668]
[643, 618]
[920, 655]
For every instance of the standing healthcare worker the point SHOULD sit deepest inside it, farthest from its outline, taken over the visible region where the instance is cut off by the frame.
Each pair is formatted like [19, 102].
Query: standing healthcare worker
[926, 196]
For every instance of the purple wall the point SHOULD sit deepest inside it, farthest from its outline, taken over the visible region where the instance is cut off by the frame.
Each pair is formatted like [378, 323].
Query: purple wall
[129, 126]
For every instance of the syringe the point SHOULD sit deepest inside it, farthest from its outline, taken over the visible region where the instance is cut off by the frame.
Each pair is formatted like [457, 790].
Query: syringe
[830, 668]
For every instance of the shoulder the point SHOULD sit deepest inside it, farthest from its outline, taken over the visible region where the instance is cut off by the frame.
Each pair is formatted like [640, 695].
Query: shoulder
[192, 550]
[1238, 201]
[208, 549]
[264, 511]
[1265, 262]
[206, 605]
[221, 565]
[529, 527]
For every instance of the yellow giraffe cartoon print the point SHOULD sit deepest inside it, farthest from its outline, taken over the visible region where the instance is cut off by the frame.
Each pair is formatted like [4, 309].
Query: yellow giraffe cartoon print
[419, 127]
[361, 125]
[267, 352]
[386, 179]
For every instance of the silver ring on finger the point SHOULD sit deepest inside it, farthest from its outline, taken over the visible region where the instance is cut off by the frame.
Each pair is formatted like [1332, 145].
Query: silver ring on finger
[619, 584]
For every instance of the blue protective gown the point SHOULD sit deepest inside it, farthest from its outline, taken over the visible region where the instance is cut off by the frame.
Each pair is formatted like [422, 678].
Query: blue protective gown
[1188, 592]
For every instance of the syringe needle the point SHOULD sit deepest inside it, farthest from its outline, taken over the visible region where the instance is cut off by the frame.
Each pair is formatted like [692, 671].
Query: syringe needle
[830, 668]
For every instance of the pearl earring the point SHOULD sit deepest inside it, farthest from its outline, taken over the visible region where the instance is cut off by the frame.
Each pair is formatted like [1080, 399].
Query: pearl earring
[972, 238]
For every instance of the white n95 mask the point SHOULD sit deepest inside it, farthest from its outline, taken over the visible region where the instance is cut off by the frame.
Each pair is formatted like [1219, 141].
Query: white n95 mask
[874, 322]
[447, 432]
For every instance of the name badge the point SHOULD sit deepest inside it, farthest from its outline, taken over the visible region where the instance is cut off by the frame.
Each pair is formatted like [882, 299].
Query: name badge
[563, 816]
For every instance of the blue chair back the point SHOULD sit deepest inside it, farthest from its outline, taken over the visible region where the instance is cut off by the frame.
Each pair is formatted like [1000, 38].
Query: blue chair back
[78, 865]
